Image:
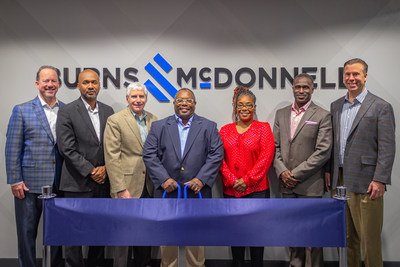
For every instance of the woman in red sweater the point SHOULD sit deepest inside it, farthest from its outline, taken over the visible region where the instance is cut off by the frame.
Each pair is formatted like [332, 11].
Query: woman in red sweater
[249, 150]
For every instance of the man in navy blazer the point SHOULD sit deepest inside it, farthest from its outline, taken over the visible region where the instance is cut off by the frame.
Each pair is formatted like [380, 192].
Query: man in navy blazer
[186, 149]
[32, 161]
[362, 160]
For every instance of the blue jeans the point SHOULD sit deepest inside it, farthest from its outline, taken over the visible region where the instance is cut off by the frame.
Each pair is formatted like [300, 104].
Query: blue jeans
[27, 215]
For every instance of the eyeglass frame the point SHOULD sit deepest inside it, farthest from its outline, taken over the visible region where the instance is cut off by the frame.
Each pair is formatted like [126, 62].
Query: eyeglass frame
[186, 100]
[247, 106]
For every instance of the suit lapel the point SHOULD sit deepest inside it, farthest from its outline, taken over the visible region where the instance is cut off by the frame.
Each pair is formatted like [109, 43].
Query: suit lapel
[148, 122]
[336, 114]
[82, 111]
[193, 132]
[361, 112]
[286, 121]
[131, 121]
[103, 120]
[172, 128]
[38, 109]
[307, 115]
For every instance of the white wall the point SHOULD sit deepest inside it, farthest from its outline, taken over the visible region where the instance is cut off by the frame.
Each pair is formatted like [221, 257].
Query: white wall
[196, 34]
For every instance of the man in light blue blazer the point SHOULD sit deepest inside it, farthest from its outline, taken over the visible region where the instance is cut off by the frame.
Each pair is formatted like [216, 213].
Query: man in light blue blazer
[183, 149]
[32, 161]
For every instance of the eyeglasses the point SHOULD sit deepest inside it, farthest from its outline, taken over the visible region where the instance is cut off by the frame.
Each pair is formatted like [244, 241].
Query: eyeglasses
[247, 106]
[187, 100]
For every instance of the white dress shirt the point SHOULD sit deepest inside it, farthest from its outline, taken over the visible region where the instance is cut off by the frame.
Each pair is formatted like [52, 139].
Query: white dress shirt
[51, 115]
[94, 116]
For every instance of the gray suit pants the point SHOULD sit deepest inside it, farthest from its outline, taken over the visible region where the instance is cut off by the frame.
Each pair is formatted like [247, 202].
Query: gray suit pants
[304, 257]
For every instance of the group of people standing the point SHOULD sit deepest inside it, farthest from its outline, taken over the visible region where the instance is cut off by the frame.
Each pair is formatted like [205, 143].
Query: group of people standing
[87, 151]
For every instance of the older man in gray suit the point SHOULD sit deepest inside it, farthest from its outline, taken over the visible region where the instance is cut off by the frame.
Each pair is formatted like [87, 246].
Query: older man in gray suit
[303, 141]
[362, 160]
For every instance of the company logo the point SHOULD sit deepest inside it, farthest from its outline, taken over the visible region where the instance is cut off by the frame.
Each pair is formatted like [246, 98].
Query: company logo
[160, 79]
[207, 77]
[221, 78]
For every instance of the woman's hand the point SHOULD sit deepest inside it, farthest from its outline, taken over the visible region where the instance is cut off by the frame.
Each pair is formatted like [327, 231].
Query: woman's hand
[240, 185]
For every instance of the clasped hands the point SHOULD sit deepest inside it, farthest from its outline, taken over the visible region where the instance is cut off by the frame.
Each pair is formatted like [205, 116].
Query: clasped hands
[99, 174]
[288, 179]
[239, 185]
[195, 184]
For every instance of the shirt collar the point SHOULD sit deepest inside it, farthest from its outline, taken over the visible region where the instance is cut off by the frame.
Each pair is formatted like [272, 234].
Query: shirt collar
[44, 104]
[301, 109]
[179, 120]
[360, 98]
[89, 108]
[137, 116]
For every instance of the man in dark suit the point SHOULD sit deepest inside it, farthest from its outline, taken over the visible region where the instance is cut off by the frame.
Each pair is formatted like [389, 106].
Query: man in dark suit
[303, 142]
[80, 126]
[186, 149]
[31, 161]
[362, 160]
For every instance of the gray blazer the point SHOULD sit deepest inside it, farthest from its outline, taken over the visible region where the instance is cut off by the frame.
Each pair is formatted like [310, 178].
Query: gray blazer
[79, 146]
[370, 148]
[308, 151]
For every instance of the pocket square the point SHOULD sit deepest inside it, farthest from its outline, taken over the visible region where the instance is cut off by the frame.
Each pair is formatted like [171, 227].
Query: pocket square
[311, 122]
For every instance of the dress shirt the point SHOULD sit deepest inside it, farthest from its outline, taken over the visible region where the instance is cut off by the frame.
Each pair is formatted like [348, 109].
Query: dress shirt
[349, 112]
[51, 115]
[183, 132]
[94, 117]
[141, 123]
[248, 156]
[295, 117]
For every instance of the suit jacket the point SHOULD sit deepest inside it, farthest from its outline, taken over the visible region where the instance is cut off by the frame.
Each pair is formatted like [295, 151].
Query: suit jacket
[123, 148]
[202, 157]
[79, 146]
[370, 147]
[31, 151]
[308, 151]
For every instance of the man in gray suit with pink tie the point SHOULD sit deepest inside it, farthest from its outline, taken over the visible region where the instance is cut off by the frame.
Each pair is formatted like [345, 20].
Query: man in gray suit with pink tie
[303, 142]
[362, 160]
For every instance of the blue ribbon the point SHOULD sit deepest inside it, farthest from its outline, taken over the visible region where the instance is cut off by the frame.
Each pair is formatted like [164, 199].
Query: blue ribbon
[185, 192]
[179, 192]
[208, 222]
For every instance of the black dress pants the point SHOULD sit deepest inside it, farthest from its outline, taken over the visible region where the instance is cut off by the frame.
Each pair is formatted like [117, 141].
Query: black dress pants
[73, 254]
[256, 253]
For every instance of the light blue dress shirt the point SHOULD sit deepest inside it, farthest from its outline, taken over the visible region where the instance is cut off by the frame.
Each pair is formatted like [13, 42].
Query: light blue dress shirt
[349, 113]
[183, 132]
[141, 123]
